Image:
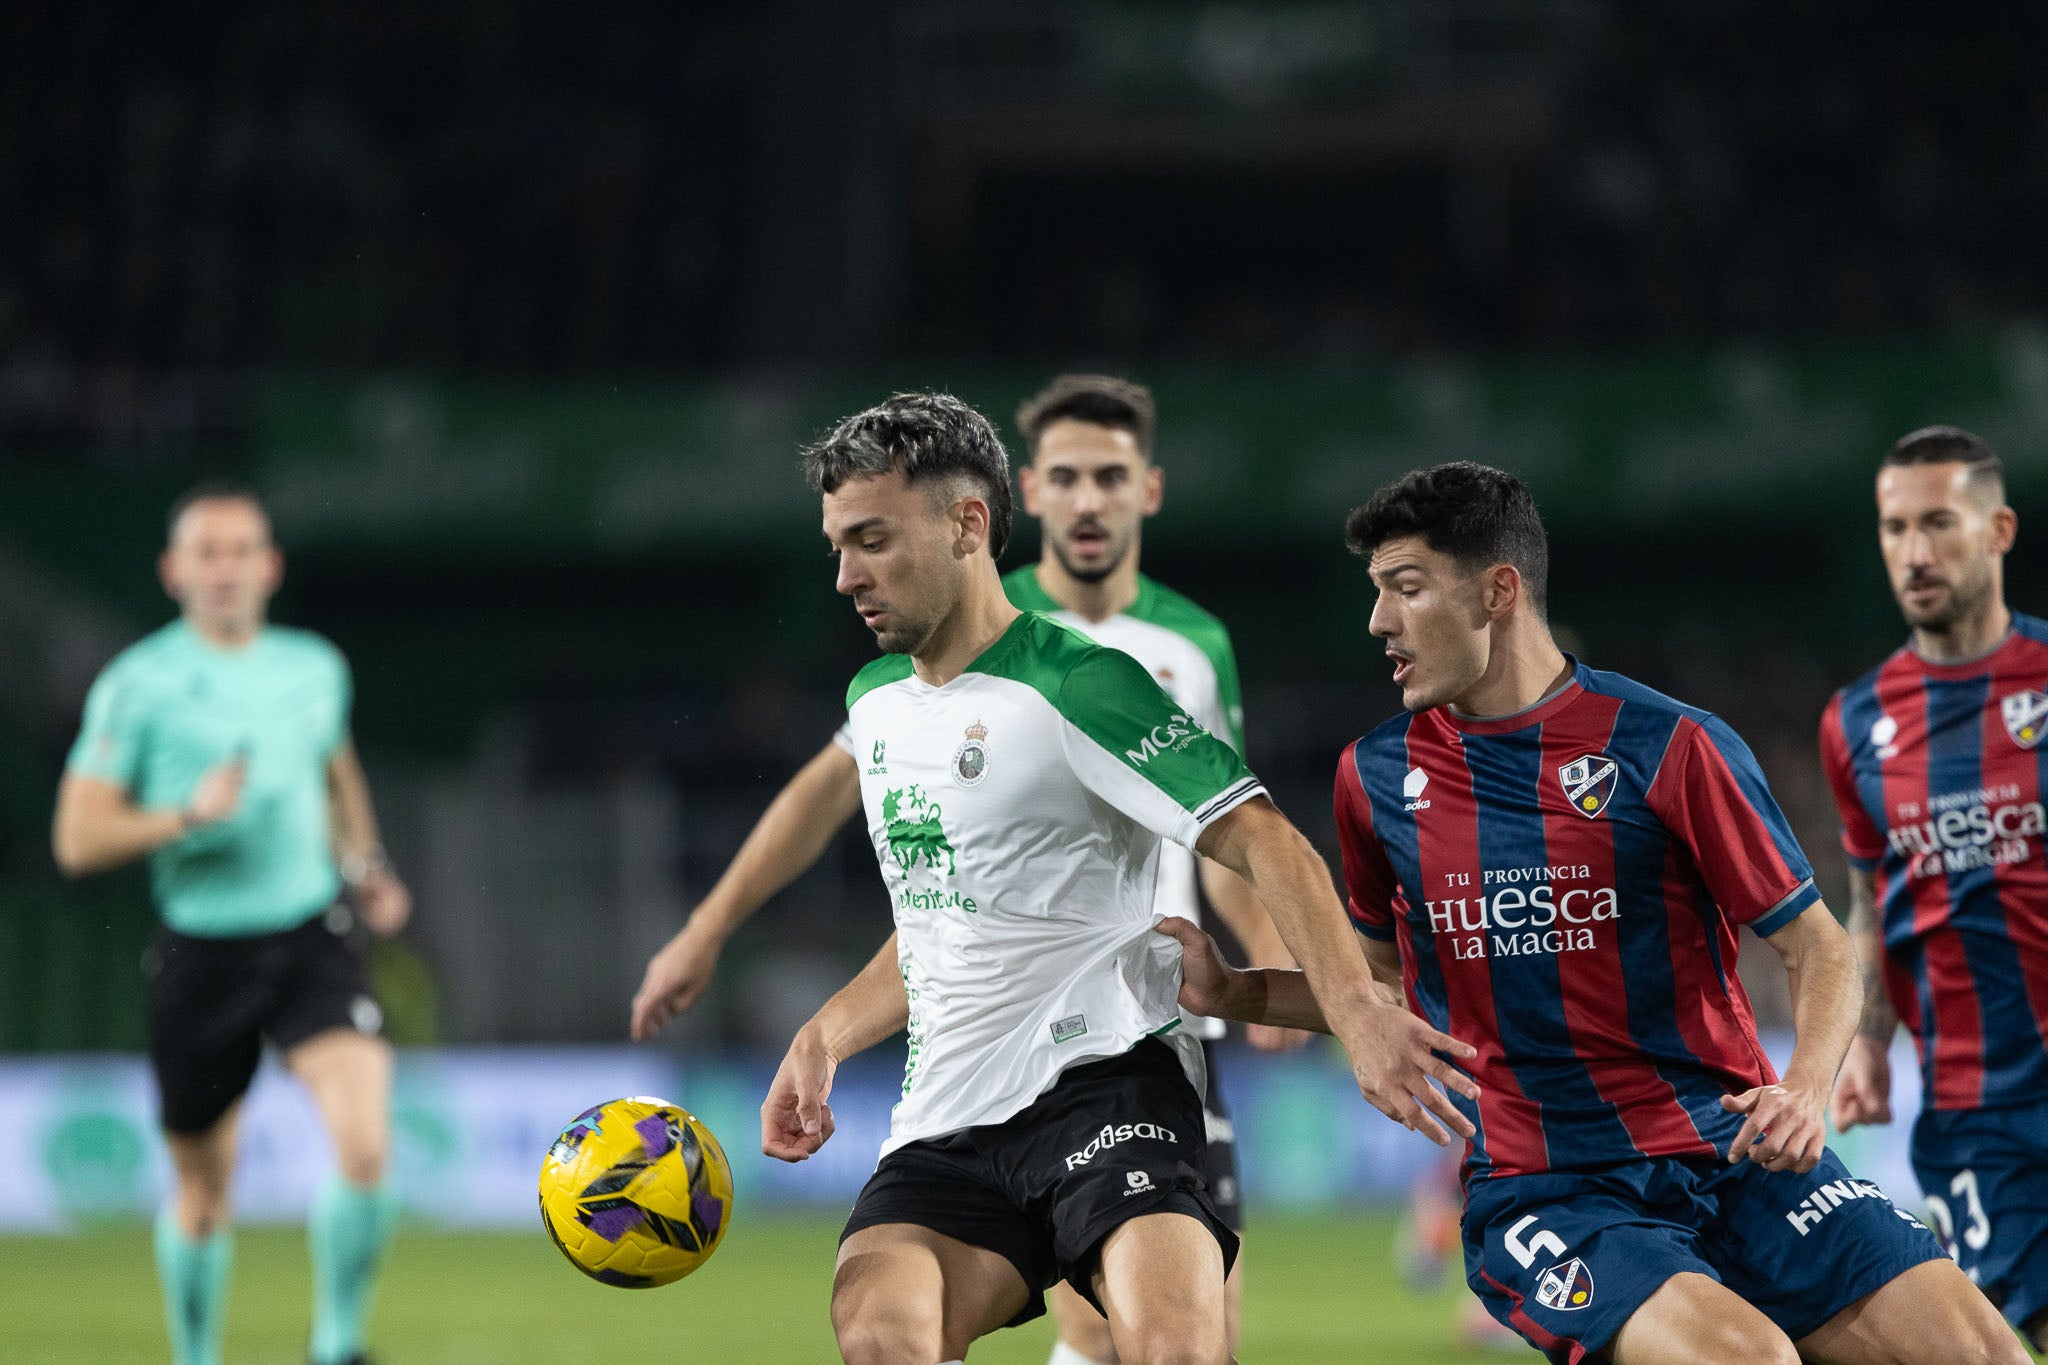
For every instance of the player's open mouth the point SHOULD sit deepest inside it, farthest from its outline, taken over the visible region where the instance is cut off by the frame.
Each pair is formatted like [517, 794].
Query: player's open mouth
[1403, 666]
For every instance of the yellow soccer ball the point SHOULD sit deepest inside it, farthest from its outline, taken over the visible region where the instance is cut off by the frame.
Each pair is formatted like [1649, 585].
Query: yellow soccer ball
[636, 1192]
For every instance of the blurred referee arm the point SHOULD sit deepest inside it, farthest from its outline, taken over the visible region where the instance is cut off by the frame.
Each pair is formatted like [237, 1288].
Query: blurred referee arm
[795, 1118]
[790, 836]
[1863, 1090]
[1394, 1055]
[381, 899]
[99, 826]
[1785, 1128]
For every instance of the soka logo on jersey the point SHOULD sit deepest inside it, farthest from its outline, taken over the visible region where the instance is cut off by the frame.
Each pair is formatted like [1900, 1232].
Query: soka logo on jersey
[1171, 735]
[2025, 714]
[970, 760]
[1588, 782]
[1565, 1287]
[1411, 787]
[1883, 731]
[917, 843]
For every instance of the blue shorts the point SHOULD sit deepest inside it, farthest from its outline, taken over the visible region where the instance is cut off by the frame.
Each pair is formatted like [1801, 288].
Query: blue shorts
[1565, 1258]
[1985, 1172]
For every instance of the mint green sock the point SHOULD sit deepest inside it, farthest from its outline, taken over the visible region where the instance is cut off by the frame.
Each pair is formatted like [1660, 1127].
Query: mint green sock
[347, 1232]
[195, 1280]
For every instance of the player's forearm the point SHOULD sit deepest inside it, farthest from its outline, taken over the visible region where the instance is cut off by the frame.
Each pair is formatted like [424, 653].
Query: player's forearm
[98, 841]
[866, 1010]
[1294, 885]
[352, 818]
[1238, 906]
[791, 835]
[1276, 996]
[1878, 1020]
[1820, 969]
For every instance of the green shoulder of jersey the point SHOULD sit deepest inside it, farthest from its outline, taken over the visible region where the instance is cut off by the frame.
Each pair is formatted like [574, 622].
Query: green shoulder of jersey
[1160, 606]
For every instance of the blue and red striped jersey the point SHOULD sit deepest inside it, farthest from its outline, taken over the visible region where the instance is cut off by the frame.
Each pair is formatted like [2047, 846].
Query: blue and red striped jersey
[1937, 772]
[1564, 886]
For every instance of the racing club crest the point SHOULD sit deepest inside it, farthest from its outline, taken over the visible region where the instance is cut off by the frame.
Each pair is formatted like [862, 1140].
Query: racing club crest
[1565, 1286]
[2026, 716]
[970, 760]
[1588, 782]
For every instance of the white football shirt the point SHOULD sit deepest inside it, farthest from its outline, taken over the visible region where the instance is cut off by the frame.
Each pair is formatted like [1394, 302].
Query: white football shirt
[1017, 814]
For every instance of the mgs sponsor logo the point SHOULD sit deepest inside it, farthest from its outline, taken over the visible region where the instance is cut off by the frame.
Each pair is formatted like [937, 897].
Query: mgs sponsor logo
[1114, 1135]
[1171, 735]
[1523, 912]
[1964, 831]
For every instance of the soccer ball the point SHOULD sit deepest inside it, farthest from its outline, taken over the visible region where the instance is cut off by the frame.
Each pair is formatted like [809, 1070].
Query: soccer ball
[636, 1192]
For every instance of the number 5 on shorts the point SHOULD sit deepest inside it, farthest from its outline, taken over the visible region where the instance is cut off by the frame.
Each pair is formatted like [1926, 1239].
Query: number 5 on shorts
[1526, 1252]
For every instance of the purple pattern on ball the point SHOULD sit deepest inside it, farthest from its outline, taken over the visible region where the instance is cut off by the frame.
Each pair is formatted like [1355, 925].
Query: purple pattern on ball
[709, 1211]
[613, 1223]
[653, 1131]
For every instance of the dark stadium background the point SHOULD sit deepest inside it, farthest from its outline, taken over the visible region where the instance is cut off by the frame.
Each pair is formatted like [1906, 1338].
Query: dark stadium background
[518, 313]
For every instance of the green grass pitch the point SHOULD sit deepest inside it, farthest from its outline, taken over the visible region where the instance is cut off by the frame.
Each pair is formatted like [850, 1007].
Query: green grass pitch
[1317, 1289]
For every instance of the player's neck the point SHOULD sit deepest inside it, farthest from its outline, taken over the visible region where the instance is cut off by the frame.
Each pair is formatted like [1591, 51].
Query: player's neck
[980, 619]
[1526, 668]
[1097, 601]
[1968, 639]
[224, 634]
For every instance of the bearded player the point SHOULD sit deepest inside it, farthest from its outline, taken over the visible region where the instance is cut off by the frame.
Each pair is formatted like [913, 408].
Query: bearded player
[1935, 758]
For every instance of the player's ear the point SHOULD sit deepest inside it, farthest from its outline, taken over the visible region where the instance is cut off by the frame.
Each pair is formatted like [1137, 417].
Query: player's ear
[167, 577]
[1502, 590]
[1155, 488]
[1027, 484]
[2005, 528]
[970, 526]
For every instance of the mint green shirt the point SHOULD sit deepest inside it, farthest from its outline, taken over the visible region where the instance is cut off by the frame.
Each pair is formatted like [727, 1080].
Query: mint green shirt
[173, 705]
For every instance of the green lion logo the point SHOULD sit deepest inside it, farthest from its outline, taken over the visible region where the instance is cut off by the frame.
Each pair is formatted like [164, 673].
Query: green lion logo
[917, 840]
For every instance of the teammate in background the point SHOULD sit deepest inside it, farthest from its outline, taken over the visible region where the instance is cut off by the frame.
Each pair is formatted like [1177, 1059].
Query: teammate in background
[1935, 757]
[1555, 860]
[1091, 482]
[219, 749]
[1017, 780]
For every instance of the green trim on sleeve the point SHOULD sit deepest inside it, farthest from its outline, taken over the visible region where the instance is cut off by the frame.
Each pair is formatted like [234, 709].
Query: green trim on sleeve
[1109, 697]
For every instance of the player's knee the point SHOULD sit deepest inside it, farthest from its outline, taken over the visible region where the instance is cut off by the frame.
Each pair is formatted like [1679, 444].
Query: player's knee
[886, 1334]
[1168, 1342]
[362, 1161]
[202, 1208]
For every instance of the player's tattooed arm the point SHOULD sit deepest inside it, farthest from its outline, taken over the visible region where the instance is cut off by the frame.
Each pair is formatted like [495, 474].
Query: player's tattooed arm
[795, 1118]
[1863, 1089]
[1785, 1126]
[1394, 1055]
[790, 836]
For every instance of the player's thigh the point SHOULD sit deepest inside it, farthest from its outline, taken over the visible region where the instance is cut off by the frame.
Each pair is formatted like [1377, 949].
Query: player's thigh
[1159, 1278]
[1985, 1172]
[349, 1075]
[1693, 1320]
[1930, 1315]
[204, 1002]
[902, 1292]
[1078, 1323]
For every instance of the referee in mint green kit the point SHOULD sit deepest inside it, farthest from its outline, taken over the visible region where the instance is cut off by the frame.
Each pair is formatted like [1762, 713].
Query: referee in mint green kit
[219, 749]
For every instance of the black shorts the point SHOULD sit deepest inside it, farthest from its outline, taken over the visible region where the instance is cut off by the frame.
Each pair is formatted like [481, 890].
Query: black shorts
[1112, 1140]
[213, 1002]
[1219, 1163]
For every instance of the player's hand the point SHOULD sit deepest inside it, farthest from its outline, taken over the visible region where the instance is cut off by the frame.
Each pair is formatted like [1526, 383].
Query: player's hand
[218, 793]
[1863, 1090]
[1268, 1038]
[1394, 1057]
[675, 977]
[1206, 980]
[383, 903]
[795, 1120]
[1785, 1128]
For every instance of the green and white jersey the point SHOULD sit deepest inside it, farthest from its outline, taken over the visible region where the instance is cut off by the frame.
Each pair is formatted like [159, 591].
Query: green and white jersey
[1017, 814]
[173, 705]
[1187, 651]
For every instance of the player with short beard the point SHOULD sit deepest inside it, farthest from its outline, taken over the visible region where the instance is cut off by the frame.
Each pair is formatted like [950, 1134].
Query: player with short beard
[1017, 781]
[1935, 758]
[1554, 862]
